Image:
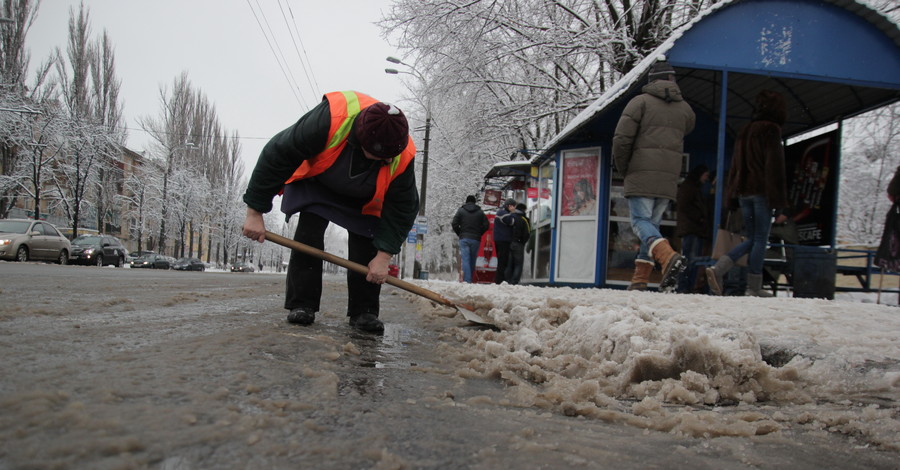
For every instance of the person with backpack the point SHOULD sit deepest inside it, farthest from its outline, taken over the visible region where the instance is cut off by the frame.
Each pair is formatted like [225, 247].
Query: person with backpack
[521, 232]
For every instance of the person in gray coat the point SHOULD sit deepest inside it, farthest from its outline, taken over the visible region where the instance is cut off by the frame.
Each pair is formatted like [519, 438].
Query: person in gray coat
[647, 148]
[469, 224]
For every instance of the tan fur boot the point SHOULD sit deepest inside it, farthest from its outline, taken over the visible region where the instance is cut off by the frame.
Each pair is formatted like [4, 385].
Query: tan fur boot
[641, 277]
[672, 263]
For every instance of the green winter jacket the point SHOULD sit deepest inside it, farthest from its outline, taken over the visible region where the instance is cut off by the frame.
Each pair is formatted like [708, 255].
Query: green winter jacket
[649, 140]
[306, 138]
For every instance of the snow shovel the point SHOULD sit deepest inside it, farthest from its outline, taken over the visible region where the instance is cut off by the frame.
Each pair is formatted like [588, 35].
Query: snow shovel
[465, 310]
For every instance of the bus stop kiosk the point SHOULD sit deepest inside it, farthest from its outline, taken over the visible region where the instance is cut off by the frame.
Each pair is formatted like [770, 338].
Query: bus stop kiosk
[722, 59]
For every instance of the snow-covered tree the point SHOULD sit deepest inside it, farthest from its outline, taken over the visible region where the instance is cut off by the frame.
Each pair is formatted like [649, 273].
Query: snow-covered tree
[171, 133]
[187, 137]
[38, 141]
[84, 151]
[871, 154]
[136, 201]
[229, 210]
[18, 106]
[85, 77]
[106, 112]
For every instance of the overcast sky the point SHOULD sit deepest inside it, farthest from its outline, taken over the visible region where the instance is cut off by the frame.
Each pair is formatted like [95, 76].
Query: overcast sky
[222, 47]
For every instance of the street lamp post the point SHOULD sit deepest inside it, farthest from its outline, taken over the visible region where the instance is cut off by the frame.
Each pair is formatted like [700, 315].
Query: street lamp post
[423, 190]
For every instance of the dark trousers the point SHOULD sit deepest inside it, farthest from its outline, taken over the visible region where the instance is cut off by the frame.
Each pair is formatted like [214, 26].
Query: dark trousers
[516, 262]
[502, 261]
[304, 275]
[691, 248]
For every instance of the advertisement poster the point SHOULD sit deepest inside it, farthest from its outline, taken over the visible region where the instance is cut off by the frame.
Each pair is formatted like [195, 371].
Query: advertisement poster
[579, 191]
[534, 193]
[812, 188]
[492, 198]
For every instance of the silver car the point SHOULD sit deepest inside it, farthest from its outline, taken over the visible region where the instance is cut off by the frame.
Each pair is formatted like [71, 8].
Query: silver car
[24, 240]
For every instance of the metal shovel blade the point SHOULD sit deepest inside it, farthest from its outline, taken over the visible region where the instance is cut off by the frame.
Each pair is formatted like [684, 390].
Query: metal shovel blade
[472, 316]
[465, 311]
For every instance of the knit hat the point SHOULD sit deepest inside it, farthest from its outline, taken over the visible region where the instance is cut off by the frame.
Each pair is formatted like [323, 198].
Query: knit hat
[660, 70]
[470, 199]
[382, 130]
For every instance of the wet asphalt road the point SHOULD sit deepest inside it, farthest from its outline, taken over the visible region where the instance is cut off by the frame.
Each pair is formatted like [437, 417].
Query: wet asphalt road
[121, 368]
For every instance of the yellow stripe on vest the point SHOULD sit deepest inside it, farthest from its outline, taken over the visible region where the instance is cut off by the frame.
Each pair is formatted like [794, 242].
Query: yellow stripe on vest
[352, 110]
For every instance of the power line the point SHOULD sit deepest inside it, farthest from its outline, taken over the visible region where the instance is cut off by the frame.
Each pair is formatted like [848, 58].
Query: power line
[192, 134]
[294, 42]
[280, 51]
[293, 88]
[315, 88]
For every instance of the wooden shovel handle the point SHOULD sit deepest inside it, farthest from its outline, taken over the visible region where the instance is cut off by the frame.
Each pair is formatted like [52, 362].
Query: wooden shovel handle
[356, 267]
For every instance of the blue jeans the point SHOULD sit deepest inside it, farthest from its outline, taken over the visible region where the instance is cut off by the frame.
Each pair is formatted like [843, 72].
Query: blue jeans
[646, 215]
[757, 223]
[468, 251]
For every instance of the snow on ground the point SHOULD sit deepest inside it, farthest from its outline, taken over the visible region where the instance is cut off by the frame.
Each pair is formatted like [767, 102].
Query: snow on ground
[689, 364]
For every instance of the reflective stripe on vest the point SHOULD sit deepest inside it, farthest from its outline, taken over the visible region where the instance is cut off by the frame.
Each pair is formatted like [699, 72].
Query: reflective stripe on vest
[344, 106]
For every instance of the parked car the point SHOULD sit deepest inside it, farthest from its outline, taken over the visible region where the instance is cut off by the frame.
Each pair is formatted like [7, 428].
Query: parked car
[137, 254]
[24, 240]
[189, 264]
[242, 267]
[153, 261]
[98, 250]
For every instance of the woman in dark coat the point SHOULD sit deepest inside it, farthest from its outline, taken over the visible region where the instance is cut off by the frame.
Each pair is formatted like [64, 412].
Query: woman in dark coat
[757, 180]
[888, 255]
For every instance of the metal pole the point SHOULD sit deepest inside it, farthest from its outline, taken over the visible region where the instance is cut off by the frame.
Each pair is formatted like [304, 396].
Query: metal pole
[423, 194]
[423, 191]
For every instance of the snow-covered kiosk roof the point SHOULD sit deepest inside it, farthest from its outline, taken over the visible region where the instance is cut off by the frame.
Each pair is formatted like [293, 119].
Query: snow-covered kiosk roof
[834, 58]
[502, 173]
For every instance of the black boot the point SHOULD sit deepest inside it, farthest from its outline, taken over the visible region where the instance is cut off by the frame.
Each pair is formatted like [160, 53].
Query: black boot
[301, 316]
[367, 322]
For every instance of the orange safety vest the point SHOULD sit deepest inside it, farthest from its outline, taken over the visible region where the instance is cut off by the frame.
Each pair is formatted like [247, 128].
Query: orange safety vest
[344, 107]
